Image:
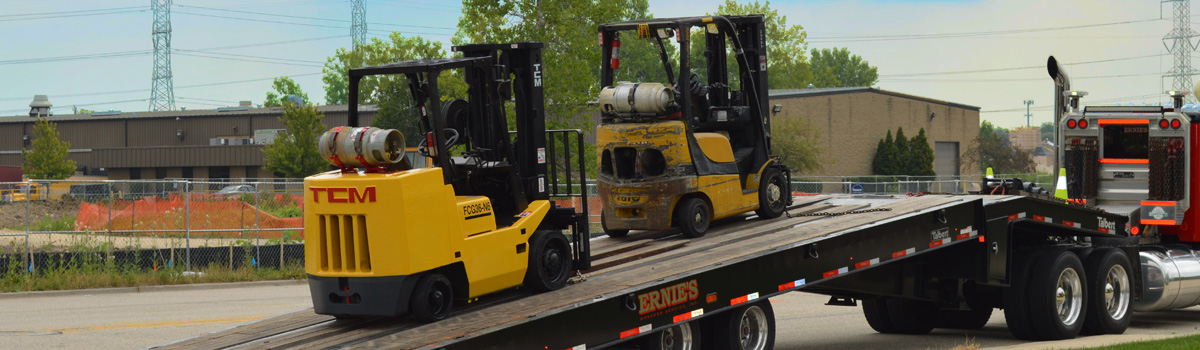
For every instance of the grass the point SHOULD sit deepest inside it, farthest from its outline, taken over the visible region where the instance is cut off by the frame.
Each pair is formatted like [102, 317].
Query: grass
[65, 223]
[99, 275]
[1181, 343]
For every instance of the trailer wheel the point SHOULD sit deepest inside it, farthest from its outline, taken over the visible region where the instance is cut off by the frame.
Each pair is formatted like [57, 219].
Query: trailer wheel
[432, 298]
[750, 327]
[685, 336]
[1108, 290]
[771, 196]
[693, 217]
[1016, 302]
[912, 317]
[610, 232]
[875, 309]
[549, 261]
[1057, 299]
[963, 319]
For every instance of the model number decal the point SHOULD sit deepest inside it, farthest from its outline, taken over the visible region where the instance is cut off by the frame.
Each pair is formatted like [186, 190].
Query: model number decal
[478, 208]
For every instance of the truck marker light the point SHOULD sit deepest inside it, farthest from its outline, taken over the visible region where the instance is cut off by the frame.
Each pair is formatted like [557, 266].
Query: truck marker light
[980, 239]
[1163, 123]
[1070, 123]
[636, 331]
[790, 285]
[1104, 122]
[1175, 124]
[1134, 231]
[688, 316]
[711, 298]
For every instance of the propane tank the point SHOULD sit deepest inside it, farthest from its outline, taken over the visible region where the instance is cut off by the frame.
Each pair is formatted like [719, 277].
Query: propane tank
[348, 147]
[636, 99]
[1171, 280]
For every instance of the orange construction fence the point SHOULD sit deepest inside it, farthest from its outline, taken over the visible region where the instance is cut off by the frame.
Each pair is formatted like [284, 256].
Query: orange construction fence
[204, 212]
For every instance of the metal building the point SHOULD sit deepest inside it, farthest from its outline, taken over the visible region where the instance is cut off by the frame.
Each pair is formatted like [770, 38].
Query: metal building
[203, 144]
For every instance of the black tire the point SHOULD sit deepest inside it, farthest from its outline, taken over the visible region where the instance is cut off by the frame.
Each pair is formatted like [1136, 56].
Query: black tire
[876, 311]
[1016, 303]
[693, 217]
[751, 327]
[912, 317]
[772, 199]
[1109, 294]
[1059, 275]
[549, 261]
[963, 319]
[610, 232]
[685, 336]
[433, 297]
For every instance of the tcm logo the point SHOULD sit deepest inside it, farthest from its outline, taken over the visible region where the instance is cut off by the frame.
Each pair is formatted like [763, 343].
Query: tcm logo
[343, 194]
[668, 297]
[1105, 223]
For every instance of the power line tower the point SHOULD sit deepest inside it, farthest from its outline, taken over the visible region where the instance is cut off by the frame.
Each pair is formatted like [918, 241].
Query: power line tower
[162, 90]
[1179, 43]
[358, 23]
[1027, 114]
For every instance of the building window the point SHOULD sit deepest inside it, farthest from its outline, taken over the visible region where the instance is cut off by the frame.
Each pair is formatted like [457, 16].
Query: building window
[187, 172]
[160, 173]
[135, 173]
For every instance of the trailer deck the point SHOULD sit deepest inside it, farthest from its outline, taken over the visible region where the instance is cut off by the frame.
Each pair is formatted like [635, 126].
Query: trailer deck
[741, 260]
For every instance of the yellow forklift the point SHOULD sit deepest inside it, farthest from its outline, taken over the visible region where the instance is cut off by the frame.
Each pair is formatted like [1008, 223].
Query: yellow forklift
[386, 237]
[683, 153]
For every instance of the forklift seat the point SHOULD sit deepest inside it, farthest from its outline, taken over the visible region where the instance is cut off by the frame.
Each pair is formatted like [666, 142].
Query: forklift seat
[715, 146]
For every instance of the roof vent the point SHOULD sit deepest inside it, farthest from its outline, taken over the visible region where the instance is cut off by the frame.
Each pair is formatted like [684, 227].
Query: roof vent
[40, 106]
[233, 109]
[245, 104]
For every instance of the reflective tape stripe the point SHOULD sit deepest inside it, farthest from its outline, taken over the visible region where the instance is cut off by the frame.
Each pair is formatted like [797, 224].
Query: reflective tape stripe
[688, 316]
[1016, 216]
[636, 331]
[790, 285]
[744, 298]
[938, 243]
[1072, 224]
[866, 263]
[579, 347]
[839, 271]
[904, 252]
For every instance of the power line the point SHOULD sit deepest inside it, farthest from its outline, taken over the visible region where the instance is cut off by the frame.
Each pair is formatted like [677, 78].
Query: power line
[312, 18]
[176, 87]
[182, 51]
[76, 11]
[146, 52]
[859, 38]
[291, 23]
[915, 80]
[1044, 108]
[881, 76]
[69, 15]
[247, 60]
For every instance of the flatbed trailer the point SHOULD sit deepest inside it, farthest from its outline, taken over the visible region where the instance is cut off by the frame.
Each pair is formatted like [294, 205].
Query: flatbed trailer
[942, 250]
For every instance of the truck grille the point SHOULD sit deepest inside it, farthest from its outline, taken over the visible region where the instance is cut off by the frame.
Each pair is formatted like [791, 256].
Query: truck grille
[343, 243]
[1166, 172]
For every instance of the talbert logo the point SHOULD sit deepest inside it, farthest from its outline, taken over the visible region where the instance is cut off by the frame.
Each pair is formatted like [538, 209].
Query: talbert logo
[668, 297]
[343, 194]
[1105, 223]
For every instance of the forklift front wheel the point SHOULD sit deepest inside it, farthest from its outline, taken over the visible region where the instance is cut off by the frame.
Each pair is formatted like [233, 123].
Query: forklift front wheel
[432, 297]
[549, 261]
[771, 196]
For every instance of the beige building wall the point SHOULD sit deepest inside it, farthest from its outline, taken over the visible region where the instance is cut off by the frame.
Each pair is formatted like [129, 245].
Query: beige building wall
[850, 125]
[1026, 137]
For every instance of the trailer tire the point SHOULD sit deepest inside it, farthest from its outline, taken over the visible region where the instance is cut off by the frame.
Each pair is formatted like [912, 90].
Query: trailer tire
[610, 232]
[1109, 294]
[750, 327]
[1016, 303]
[433, 297]
[1057, 296]
[684, 336]
[876, 312]
[963, 319]
[912, 317]
[693, 217]
[771, 194]
[549, 261]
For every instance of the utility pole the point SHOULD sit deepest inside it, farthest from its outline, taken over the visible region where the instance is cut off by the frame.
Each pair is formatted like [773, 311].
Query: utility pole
[1179, 43]
[162, 90]
[1027, 114]
[358, 23]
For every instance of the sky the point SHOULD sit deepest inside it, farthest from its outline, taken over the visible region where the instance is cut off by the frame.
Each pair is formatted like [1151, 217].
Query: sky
[989, 54]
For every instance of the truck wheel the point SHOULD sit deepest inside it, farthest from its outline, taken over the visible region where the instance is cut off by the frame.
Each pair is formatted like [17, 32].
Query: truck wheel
[876, 311]
[1057, 298]
[549, 261]
[1016, 303]
[912, 317]
[750, 327]
[432, 298]
[693, 217]
[963, 319]
[685, 336]
[772, 198]
[1108, 292]
[610, 232]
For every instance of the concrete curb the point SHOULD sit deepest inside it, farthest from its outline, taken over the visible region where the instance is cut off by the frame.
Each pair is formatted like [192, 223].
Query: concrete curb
[144, 289]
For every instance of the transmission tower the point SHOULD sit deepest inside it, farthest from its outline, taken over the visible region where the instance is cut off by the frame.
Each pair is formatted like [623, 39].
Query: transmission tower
[1179, 42]
[162, 90]
[358, 24]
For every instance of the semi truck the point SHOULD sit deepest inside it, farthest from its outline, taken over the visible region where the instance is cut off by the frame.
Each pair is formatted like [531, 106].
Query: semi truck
[1123, 240]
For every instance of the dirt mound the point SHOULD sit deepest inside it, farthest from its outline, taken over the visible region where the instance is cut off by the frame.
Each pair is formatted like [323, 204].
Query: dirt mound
[12, 215]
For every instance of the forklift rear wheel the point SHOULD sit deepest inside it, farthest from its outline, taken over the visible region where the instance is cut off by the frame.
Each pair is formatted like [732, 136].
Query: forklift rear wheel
[432, 297]
[549, 261]
[611, 232]
[693, 217]
[680, 337]
[771, 196]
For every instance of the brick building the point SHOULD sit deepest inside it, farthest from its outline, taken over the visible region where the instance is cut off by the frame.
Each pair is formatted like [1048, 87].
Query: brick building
[851, 121]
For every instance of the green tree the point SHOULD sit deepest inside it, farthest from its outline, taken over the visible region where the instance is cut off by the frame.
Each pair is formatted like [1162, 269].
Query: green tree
[838, 68]
[797, 147]
[1047, 129]
[900, 166]
[885, 157]
[84, 111]
[992, 149]
[47, 160]
[920, 156]
[786, 64]
[294, 153]
[284, 86]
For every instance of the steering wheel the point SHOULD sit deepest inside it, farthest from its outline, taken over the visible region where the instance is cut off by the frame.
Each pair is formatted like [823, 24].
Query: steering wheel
[453, 138]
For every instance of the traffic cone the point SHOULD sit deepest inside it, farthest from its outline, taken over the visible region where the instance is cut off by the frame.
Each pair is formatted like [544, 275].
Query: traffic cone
[989, 173]
[1060, 189]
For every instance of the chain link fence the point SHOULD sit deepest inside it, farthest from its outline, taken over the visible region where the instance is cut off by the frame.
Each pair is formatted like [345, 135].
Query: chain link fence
[151, 224]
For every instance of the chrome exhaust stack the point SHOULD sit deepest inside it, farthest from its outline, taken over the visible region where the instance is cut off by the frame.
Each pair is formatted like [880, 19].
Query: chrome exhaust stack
[1171, 280]
[1062, 84]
